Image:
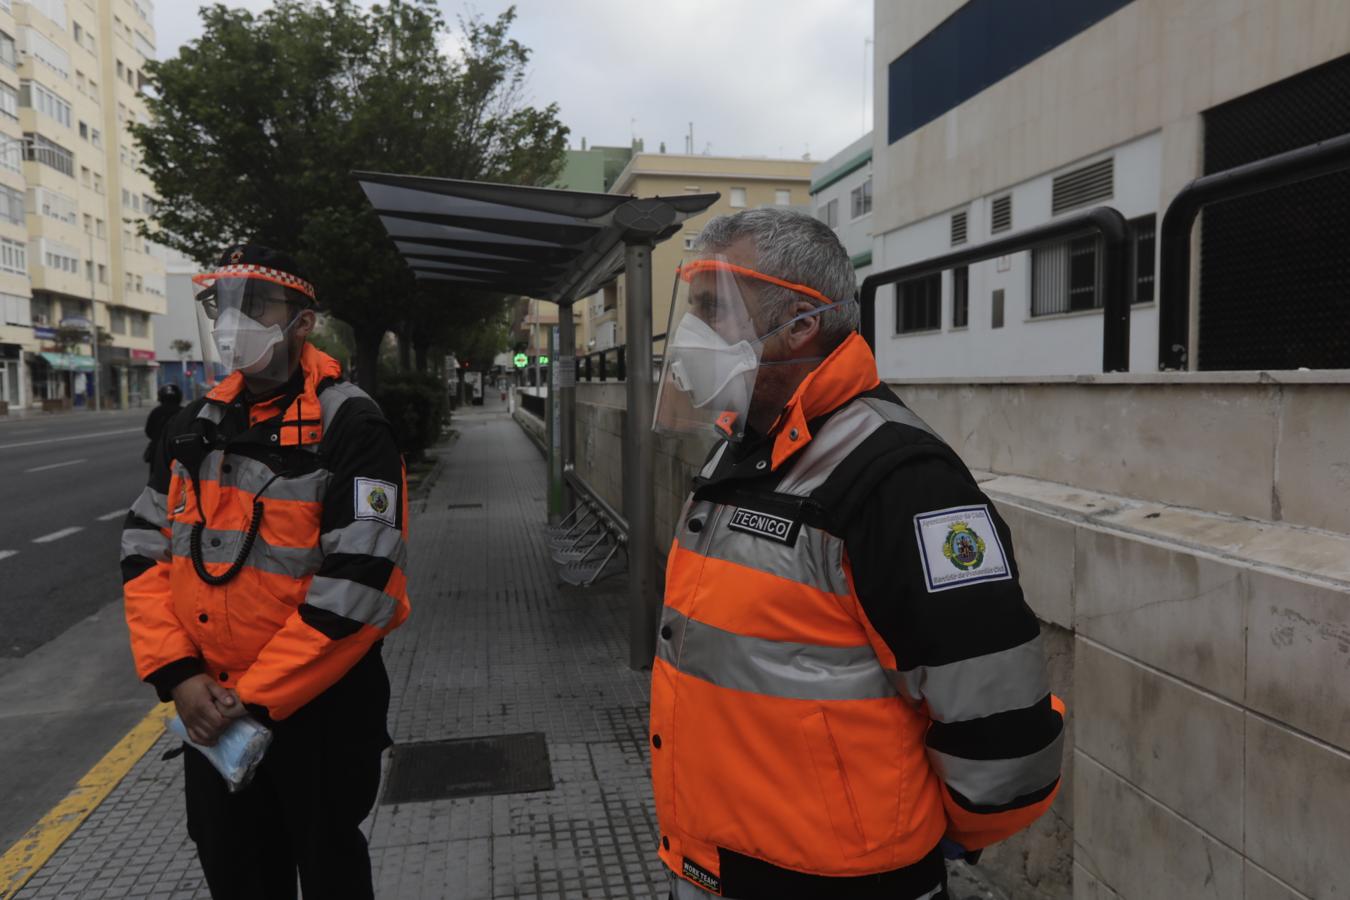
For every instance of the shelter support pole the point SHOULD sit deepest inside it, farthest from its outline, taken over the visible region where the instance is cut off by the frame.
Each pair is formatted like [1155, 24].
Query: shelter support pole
[565, 364]
[639, 492]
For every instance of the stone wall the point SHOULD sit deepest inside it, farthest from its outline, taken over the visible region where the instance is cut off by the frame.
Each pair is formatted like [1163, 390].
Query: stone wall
[1183, 538]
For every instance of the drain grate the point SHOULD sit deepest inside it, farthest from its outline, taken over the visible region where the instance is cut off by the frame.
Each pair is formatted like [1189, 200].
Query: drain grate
[465, 506]
[469, 767]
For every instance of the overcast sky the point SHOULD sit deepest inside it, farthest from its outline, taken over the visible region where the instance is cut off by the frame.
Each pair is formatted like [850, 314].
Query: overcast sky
[756, 77]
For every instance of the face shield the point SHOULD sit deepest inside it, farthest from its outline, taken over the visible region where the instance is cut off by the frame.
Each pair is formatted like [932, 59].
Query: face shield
[252, 309]
[714, 347]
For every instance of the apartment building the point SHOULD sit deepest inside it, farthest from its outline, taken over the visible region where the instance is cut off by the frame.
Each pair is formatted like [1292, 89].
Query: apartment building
[71, 83]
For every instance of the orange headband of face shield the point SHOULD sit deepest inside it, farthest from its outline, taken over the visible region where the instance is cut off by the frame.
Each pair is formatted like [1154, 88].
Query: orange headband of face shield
[690, 269]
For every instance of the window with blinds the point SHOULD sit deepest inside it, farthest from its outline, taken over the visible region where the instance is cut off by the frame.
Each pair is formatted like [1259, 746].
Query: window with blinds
[918, 304]
[1143, 233]
[1066, 278]
[1083, 186]
[961, 297]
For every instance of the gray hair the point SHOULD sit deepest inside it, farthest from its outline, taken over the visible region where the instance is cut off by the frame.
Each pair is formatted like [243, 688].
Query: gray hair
[796, 247]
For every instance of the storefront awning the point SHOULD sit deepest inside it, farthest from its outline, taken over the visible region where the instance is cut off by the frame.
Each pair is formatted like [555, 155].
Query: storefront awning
[68, 362]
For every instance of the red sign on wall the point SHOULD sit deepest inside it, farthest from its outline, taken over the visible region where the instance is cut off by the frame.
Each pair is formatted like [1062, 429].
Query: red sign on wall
[142, 354]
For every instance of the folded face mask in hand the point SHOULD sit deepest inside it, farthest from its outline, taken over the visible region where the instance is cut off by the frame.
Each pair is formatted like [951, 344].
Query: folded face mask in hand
[237, 752]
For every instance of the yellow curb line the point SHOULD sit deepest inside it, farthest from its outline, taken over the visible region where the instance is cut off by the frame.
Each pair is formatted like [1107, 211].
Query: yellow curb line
[31, 852]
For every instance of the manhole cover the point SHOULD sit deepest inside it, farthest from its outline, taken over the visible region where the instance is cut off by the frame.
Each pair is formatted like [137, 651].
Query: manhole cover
[469, 767]
[465, 506]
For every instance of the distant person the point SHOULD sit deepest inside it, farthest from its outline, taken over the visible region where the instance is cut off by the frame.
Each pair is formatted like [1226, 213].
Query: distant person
[848, 685]
[170, 403]
[262, 567]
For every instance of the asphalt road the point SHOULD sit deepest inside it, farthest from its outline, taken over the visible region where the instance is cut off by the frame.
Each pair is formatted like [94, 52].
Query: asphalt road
[68, 691]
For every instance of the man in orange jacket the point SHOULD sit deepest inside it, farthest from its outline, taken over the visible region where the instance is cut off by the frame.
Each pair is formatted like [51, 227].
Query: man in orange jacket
[849, 686]
[263, 565]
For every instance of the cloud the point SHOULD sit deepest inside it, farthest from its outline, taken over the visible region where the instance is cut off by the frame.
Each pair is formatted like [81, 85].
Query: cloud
[756, 77]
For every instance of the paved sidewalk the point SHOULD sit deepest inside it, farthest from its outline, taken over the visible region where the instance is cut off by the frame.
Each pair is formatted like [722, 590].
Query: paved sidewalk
[493, 647]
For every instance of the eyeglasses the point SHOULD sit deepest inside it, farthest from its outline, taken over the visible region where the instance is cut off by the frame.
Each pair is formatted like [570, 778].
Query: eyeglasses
[258, 296]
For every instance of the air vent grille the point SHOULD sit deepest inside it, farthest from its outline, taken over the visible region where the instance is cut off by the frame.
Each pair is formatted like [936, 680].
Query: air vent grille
[1083, 186]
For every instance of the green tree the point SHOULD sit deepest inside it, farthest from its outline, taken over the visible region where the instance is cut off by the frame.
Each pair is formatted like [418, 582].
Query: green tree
[256, 126]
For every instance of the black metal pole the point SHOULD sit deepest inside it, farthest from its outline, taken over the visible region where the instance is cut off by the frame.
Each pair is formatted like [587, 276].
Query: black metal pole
[640, 449]
[1103, 220]
[1174, 237]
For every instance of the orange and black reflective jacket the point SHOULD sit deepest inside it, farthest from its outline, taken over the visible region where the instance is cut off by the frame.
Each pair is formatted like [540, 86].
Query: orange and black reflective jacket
[302, 497]
[846, 669]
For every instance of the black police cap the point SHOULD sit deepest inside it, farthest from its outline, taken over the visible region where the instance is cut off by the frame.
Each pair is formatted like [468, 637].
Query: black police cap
[258, 255]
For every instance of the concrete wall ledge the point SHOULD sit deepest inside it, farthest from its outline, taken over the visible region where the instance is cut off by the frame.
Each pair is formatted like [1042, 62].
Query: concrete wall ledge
[1291, 551]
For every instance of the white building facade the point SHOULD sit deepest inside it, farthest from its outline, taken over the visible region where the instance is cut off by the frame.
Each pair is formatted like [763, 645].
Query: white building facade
[841, 197]
[1121, 104]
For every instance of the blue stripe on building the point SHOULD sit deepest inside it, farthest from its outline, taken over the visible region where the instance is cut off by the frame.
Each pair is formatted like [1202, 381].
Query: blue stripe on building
[977, 46]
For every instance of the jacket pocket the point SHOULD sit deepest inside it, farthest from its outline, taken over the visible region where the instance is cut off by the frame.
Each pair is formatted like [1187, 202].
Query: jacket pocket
[840, 803]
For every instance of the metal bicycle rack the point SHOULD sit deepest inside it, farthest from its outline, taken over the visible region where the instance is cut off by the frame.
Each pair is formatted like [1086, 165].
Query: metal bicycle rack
[586, 543]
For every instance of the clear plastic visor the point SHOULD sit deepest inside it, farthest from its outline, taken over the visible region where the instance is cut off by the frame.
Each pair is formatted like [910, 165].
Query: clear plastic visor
[713, 349]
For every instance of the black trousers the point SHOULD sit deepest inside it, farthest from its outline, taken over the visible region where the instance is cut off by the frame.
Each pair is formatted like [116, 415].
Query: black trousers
[302, 812]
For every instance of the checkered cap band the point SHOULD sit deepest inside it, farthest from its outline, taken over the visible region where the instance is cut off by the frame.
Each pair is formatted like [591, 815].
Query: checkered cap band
[286, 279]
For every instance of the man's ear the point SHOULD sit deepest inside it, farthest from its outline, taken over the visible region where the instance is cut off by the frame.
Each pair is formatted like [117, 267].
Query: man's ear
[305, 322]
[803, 332]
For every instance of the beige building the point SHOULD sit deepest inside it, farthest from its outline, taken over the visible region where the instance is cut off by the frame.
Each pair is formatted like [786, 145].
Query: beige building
[71, 74]
[744, 183]
[1121, 104]
[1184, 602]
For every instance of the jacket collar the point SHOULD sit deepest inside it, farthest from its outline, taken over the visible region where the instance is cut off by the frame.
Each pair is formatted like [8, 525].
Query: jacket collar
[847, 372]
[299, 419]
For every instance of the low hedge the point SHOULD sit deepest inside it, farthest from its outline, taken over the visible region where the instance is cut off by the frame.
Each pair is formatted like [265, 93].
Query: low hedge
[417, 406]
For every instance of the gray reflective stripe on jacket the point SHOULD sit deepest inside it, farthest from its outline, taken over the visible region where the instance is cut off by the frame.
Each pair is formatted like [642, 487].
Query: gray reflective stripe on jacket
[152, 545]
[332, 397]
[841, 434]
[153, 507]
[816, 560]
[222, 546]
[995, 782]
[980, 686]
[251, 477]
[773, 668]
[367, 537]
[351, 600]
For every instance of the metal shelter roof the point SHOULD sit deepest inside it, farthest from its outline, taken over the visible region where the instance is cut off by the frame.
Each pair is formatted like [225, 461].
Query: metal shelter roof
[539, 242]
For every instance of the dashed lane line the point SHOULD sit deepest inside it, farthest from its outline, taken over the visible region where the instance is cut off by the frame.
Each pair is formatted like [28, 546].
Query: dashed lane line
[69, 462]
[113, 515]
[38, 845]
[57, 535]
[6, 554]
[73, 437]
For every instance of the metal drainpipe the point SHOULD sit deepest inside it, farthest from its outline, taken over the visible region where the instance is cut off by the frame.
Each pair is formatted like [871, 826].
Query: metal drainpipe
[640, 449]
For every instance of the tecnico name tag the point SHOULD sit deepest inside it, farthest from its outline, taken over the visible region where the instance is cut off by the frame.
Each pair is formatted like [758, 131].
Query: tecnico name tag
[761, 524]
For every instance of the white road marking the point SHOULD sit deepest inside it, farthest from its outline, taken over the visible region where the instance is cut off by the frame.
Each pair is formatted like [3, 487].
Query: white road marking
[73, 462]
[6, 554]
[57, 535]
[121, 513]
[73, 437]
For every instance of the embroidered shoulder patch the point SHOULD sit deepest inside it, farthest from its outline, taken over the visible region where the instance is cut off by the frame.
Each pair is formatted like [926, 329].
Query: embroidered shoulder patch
[702, 877]
[775, 528]
[376, 499]
[960, 546]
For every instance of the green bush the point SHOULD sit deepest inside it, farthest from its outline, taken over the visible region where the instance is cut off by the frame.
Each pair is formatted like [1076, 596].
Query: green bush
[416, 405]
